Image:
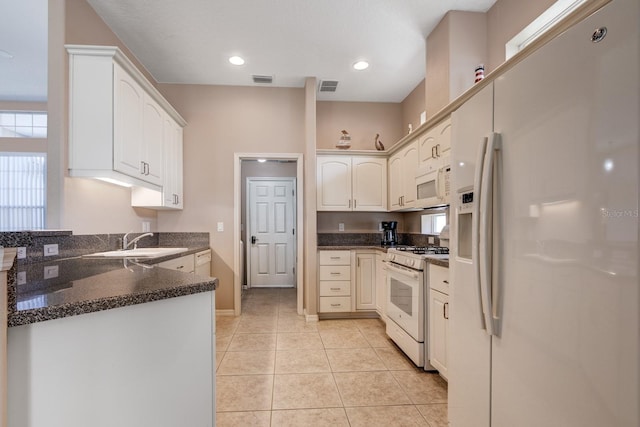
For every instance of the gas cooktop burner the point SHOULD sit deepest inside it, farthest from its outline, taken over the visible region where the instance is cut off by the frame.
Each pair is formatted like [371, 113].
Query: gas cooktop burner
[424, 250]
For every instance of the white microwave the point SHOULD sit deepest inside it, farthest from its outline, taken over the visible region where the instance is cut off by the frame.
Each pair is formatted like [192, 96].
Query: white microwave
[433, 187]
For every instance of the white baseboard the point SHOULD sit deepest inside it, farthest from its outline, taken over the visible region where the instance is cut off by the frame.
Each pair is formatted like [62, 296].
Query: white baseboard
[226, 312]
[310, 317]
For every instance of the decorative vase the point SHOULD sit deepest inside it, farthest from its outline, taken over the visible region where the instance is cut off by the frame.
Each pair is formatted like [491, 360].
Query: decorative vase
[345, 141]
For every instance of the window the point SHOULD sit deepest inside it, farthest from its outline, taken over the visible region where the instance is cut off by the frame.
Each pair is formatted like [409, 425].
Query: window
[540, 25]
[23, 124]
[22, 191]
[433, 223]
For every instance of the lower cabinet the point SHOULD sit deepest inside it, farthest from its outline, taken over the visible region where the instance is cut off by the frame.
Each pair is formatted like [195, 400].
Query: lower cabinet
[334, 269]
[439, 318]
[381, 286]
[347, 281]
[184, 263]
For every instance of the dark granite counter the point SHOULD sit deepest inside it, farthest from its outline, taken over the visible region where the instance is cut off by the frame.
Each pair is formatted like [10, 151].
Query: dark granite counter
[440, 262]
[67, 287]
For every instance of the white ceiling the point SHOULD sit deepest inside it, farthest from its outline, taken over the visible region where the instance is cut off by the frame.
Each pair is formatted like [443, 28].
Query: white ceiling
[190, 41]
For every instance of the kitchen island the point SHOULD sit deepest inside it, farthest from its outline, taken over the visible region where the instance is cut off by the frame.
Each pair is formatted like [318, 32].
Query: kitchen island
[110, 342]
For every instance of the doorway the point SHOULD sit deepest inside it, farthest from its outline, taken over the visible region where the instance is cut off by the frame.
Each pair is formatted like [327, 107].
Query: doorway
[265, 168]
[271, 229]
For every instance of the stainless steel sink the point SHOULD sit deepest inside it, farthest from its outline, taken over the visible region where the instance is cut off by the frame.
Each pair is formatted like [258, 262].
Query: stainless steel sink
[137, 253]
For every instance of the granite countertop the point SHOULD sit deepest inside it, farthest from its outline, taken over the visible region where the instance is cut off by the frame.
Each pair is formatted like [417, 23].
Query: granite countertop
[84, 285]
[440, 262]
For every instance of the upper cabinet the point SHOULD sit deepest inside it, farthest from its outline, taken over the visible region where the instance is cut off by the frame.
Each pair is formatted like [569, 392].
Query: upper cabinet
[434, 146]
[403, 166]
[120, 127]
[351, 183]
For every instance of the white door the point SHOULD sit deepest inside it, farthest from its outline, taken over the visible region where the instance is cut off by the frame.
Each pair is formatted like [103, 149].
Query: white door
[271, 232]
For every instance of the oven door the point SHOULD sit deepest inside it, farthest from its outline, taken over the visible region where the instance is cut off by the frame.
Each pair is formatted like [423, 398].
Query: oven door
[405, 299]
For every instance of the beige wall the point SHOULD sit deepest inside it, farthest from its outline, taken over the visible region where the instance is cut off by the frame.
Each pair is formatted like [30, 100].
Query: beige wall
[412, 106]
[223, 120]
[356, 222]
[363, 120]
[506, 19]
[310, 226]
[454, 49]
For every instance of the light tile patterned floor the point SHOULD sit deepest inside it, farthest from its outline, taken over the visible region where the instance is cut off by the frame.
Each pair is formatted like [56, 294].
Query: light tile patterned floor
[275, 369]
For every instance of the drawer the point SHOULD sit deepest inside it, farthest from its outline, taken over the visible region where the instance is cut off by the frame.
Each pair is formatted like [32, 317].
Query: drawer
[335, 257]
[335, 288]
[335, 304]
[335, 272]
[439, 278]
[184, 263]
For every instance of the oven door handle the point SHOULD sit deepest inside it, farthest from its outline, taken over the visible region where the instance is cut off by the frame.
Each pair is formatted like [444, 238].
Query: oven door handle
[402, 271]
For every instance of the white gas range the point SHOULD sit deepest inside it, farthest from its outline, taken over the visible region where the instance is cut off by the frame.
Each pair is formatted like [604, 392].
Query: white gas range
[407, 299]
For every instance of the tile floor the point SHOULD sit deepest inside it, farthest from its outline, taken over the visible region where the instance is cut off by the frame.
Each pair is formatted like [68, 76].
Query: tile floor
[275, 369]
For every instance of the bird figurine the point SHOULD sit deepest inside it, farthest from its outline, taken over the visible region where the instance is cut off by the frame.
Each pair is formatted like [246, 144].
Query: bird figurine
[378, 143]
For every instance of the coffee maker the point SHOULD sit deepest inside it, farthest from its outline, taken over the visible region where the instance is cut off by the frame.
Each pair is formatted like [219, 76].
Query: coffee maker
[389, 233]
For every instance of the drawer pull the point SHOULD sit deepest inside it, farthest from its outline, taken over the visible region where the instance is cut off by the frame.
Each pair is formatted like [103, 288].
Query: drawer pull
[335, 289]
[336, 305]
[179, 267]
[445, 281]
[335, 257]
[335, 273]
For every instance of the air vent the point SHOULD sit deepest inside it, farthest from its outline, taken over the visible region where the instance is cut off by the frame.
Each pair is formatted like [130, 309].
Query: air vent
[328, 86]
[262, 79]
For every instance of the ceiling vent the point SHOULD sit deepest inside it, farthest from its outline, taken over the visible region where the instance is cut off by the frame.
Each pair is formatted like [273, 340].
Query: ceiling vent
[262, 79]
[328, 86]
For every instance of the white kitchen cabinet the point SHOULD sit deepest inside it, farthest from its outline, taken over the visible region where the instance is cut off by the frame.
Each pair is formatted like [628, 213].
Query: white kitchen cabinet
[171, 195]
[403, 167]
[184, 263]
[351, 183]
[434, 146]
[116, 119]
[365, 281]
[334, 288]
[438, 278]
[381, 286]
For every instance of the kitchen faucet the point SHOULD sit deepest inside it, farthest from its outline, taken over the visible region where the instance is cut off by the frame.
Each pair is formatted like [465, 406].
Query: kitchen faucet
[126, 244]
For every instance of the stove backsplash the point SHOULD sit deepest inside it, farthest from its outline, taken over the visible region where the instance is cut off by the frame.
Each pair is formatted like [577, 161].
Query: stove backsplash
[374, 239]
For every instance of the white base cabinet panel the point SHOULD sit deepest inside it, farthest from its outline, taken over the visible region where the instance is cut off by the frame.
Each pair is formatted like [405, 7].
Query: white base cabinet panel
[150, 364]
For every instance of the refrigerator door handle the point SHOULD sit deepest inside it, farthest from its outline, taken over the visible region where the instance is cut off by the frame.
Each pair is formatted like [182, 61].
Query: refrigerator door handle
[475, 247]
[486, 233]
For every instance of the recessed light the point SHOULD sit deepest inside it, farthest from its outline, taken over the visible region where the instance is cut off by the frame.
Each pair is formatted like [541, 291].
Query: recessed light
[361, 65]
[236, 60]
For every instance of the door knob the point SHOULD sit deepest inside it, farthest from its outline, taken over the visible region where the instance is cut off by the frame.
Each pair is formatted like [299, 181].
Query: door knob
[253, 240]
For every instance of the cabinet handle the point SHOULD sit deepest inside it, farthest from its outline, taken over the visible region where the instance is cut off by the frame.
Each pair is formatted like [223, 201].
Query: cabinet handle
[335, 257]
[445, 281]
[142, 167]
[349, 203]
[355, 203]
[336, 305]
[335, 289]
[335, 273]
[445, 310]
[437, 150]
[179, 267]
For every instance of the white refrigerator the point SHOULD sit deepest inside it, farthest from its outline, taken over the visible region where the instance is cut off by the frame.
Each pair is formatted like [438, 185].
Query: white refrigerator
[544, 324]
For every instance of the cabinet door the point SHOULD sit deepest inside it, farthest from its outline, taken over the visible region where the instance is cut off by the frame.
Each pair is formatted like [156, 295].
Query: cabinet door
[381, 287]
[128, 99]
[365, 282]
[153, 140]
[409, 169]
[369, 180]
[172, 188]
[395, 182]
[443, 138]
[438, 330]
[334, 183]
[427, 151]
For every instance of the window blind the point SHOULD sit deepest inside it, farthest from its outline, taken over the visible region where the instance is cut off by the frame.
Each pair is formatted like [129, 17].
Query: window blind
[22, 191]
